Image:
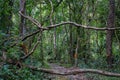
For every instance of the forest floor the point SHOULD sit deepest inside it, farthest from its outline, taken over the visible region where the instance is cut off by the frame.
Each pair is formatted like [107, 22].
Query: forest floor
[61, 69]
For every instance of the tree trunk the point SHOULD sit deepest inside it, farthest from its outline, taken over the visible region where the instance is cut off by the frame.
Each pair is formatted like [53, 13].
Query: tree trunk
[71, 38]
[22, 23]
[110, 24]
[54, 42]
[24, 45]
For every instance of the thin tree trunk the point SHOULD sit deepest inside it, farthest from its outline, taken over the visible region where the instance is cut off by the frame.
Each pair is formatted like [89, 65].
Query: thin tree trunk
[22, 23]
[54, 39]
[54, 34]
[24, 45]
[76, 53]
[71, 38]
[54, 42]
[41, 39]
[110, 24]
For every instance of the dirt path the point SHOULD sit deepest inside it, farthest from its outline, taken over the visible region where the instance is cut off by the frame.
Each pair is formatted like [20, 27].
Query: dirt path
[68, 77]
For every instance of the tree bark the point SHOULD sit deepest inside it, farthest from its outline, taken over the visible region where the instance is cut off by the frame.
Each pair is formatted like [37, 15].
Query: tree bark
[110, 24]
[22, 23]
[67, 71]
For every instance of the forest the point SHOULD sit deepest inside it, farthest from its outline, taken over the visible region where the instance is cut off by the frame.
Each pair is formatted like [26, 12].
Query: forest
[59, 40]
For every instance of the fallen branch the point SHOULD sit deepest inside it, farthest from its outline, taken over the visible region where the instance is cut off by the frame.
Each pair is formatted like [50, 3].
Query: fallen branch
[75, 71]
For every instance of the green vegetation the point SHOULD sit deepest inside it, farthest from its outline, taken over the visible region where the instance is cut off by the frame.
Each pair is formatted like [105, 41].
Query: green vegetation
[28, 39]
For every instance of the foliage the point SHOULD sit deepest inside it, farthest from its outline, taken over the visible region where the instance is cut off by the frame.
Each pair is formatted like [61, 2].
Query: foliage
[92, 44]
[8, 72]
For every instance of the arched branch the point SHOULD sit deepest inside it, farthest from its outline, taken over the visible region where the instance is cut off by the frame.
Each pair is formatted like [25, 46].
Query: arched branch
[64, 23]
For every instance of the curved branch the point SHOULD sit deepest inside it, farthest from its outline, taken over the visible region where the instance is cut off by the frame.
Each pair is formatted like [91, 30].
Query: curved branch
[72, 23]
[75, 71]
[31, 52]
[29, 35]
[33, 49]
[64, 23]
[31, 19]
[60, 24]
[83, 26]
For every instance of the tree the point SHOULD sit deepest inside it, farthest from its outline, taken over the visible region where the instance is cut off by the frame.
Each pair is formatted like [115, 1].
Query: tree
[70, 33]
[110, 24]
[22, 23]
